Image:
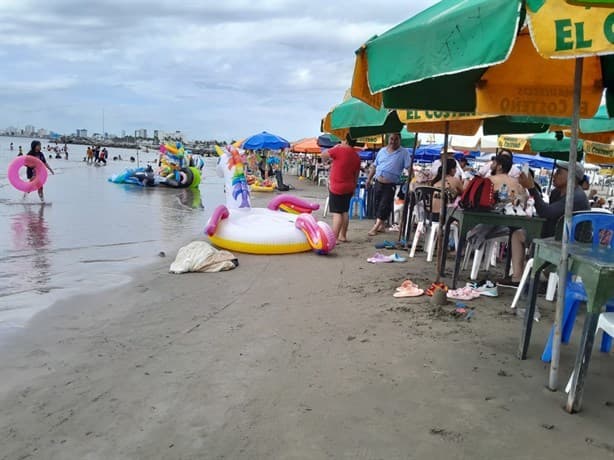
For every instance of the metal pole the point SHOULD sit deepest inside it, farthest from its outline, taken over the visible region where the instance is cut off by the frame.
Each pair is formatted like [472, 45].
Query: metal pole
[441, 251]
[571, 186]
[404, 227]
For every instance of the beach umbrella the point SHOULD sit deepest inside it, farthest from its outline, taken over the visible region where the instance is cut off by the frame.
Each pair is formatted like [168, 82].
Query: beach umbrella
[475, 55]
[309, 145]
[599, 128]
[265, 141]
[327, 140]
[360, 120]
[598, 153]
[478, 142]
[553, 145]
[534, 161]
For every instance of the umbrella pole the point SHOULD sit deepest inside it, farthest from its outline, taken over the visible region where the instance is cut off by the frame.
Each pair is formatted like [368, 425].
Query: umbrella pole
[441, 251]
[404, 227]
[571, 186]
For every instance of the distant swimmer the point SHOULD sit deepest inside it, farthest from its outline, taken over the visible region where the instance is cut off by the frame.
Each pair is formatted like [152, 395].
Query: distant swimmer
[20, 151]
[35, 151]
[11, 147]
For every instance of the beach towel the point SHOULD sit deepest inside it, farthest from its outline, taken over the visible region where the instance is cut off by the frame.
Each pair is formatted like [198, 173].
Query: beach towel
[200, 256]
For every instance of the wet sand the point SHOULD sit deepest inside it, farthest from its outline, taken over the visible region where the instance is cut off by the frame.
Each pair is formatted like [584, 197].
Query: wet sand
[291, 357]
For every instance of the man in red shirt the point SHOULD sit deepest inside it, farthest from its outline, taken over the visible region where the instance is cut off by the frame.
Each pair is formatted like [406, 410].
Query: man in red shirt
[342, 183]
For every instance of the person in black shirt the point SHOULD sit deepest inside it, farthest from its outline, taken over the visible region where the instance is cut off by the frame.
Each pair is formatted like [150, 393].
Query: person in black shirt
[551, 211]
[35, 151]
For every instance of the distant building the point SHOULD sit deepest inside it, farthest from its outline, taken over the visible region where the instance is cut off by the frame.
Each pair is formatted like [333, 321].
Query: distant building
[82, 133]
[156, 135]
[42, 132]
[123, 133]
[140, 134]
[29, 130]
[177, 136]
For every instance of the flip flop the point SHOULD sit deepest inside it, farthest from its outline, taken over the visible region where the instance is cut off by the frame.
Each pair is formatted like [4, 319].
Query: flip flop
[385, 245]
[397, 258]
[379, 259]
[408, 292]
[465, 293]
[407, 284]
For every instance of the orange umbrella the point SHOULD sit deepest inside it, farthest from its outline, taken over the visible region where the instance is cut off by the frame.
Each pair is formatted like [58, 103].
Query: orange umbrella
[309, 145]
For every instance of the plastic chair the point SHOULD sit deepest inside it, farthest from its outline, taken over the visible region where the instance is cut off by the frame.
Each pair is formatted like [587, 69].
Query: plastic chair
[423, 210]
[323, 177]
[358, 202]
[601, 234]
[606, 324]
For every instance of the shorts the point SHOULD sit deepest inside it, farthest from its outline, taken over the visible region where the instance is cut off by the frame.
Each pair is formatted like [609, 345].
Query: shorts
[30, 173]
[339, 204]
[384, 199]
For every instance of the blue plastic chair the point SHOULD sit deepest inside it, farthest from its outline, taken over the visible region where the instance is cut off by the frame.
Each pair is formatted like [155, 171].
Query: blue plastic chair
[359, 199]
[601, 236]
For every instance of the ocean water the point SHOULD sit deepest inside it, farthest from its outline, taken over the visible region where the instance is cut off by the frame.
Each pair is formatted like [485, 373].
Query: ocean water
[93, 232]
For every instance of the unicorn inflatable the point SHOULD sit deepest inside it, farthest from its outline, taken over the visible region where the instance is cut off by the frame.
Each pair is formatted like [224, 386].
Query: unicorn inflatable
[285, 226]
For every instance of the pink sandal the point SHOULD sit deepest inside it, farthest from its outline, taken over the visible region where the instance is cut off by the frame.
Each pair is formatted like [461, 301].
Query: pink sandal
[410, 291]
[407, 284]
[466, 293]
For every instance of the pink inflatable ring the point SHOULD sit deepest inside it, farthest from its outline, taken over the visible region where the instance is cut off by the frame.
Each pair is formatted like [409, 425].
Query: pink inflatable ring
[40, 173]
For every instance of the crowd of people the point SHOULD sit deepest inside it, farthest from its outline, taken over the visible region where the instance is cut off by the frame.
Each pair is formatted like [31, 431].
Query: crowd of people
[514, 188]
[95, 155]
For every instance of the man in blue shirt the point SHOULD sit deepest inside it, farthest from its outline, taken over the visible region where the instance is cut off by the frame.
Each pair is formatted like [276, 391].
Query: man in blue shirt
[386, 174]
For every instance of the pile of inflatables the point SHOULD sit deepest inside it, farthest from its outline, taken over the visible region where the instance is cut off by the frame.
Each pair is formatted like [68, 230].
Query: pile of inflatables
[177, 168]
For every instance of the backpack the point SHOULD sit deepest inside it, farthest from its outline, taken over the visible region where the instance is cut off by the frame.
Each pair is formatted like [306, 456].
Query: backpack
[479, 195]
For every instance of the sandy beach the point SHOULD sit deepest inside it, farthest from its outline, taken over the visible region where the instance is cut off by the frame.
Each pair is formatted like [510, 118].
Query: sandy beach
[291, 357]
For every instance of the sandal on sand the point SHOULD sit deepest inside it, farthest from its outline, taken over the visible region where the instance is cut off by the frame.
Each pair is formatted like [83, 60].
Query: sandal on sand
[385, 245]
[466, 293]
[433, 287]
[406, 285]
[379, 258]
[411, 291]
[397, 258]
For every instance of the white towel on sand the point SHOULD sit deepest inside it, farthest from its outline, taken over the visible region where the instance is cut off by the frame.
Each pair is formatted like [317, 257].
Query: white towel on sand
[200, 256]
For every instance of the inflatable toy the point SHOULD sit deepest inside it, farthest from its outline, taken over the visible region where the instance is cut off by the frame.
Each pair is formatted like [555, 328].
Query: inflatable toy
[177, 170]
[263, 186]
[239, 227]
[137, 176]
[27, 186]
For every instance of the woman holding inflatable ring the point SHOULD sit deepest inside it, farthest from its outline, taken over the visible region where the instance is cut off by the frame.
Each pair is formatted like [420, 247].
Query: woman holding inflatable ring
[35, 151]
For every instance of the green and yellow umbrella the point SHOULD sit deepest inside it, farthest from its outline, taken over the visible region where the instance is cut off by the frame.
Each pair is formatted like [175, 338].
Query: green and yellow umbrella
[597, 153]
[549, 144]
[474, 56]
[477, 56]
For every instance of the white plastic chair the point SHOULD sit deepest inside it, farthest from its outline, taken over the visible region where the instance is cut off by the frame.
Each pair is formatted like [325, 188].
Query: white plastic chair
[606, 324]
[483, 255]
[323, 178]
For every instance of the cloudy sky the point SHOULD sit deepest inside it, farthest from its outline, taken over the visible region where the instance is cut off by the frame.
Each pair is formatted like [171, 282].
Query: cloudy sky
[214, 69]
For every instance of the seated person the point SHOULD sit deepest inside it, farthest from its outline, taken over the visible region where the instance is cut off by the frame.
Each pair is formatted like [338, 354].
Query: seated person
[453, 185]
[501, 167]
[551, 211]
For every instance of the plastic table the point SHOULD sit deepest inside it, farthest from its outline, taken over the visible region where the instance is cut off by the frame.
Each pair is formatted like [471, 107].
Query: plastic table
[596, 267]
[469, 219]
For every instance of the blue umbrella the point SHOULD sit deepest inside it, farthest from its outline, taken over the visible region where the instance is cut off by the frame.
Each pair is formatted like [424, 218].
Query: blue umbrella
[265, 141]
[535, 161]
[428, 152]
